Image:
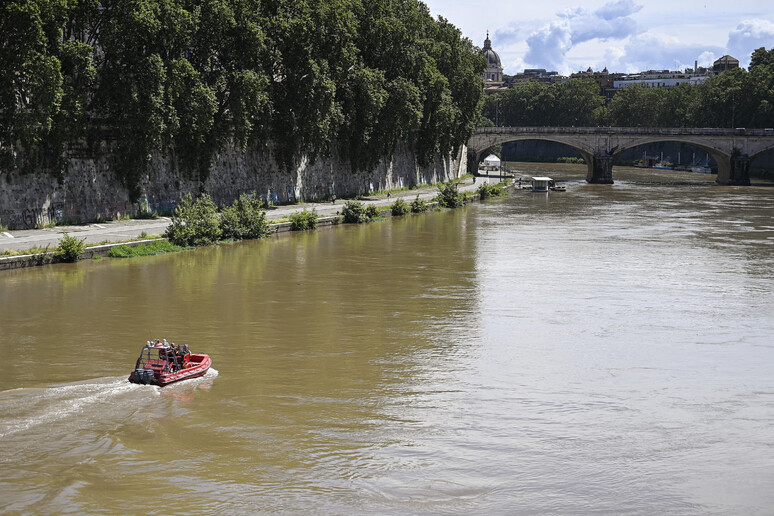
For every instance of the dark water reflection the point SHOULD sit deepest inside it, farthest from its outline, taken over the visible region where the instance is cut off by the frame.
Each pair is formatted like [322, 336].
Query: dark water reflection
[606, 349]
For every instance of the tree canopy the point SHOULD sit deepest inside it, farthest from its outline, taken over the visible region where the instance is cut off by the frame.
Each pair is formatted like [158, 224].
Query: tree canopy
[736, 98]
[309, 77]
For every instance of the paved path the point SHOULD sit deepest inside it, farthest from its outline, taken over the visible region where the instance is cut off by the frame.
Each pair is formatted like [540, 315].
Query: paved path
[125, 230]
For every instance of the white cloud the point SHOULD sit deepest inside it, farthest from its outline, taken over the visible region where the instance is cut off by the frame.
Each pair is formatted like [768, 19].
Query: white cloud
[619, 9]
[613, 55]
[660, 51]
[550, 44]
[622, 35]
[748, 36]
[706, 58]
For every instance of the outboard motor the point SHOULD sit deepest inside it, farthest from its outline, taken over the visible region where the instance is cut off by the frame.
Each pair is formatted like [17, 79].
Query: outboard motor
[144, 376]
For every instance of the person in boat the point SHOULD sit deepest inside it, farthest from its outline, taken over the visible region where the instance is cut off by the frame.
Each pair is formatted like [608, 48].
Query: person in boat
[174, 356]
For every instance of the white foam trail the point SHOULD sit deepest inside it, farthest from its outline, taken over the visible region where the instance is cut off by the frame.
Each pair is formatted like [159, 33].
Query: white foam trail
[29, 408]
[26, 408]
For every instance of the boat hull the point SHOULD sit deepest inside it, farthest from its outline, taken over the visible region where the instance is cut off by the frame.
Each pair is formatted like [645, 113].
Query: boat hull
[198, 365]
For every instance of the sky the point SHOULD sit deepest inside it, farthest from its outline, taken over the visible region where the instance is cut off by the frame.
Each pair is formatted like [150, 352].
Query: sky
[622, 35]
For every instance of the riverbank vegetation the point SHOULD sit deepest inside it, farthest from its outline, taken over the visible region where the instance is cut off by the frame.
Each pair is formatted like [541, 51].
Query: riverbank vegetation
[419, 205]
[354, 212]
[149, 249]
[736, 98]
[300, 77]
[304, 220]
[399, 208]
[70, 249]
[244, 219]
[487, 190]
[449, 195]
[197, 222]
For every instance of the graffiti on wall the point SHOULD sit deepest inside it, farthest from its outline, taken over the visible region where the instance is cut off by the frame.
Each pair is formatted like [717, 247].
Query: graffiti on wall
[28, 218]
[59, 213]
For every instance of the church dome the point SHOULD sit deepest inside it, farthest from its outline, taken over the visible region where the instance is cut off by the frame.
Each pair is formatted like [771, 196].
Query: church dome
[493, 75]
[491, 56]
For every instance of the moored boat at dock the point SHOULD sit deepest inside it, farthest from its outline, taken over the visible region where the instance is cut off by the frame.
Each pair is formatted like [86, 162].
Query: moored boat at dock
[541, 184]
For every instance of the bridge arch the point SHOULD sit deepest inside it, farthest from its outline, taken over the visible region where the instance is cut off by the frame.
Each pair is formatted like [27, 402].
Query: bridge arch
[477, 149]
[760, 151]
[717, 154]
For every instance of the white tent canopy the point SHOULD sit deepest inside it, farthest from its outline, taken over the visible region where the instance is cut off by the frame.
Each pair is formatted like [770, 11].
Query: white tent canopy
[492, 161]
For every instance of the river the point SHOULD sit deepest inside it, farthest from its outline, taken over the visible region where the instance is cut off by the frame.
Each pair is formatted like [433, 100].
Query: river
[602, 350]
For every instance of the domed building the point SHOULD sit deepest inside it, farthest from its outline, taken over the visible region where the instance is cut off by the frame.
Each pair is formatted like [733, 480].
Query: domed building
[724, 64]
[494, 72]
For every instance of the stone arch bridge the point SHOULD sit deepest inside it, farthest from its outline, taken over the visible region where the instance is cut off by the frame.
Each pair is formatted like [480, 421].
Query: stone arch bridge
[732, 149]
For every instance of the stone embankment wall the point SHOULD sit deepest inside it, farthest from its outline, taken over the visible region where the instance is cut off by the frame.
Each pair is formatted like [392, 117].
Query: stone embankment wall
[90, 189]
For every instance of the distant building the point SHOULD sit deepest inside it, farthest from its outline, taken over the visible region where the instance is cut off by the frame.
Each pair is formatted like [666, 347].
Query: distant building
[493, 76]
[538, 72]
[724, 64]
[533, 75]
[604, 80]
[658, 79]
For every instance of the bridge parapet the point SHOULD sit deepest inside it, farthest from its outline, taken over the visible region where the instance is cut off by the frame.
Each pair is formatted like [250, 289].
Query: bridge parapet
[655, 131]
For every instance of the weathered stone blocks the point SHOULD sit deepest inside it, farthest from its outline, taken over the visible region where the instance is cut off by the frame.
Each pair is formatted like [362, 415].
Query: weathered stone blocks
[90, 189]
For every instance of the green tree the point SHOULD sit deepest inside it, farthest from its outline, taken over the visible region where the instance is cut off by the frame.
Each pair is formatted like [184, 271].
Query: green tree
[195, 222]
[245, 218]
[762, 57]
[575, 103]
[303, 78]
[30, 75]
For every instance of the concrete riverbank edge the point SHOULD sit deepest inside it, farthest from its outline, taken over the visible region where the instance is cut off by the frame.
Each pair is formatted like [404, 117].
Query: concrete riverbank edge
[103, 250]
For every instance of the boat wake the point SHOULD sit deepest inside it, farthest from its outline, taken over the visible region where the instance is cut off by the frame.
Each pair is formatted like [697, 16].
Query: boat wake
[31, 409]
[27, 408]
[184, 391]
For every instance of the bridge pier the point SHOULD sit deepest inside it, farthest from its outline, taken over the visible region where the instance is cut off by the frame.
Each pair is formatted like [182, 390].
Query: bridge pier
[473, 162]
[733, 170]
[740, 170]
[600, 168]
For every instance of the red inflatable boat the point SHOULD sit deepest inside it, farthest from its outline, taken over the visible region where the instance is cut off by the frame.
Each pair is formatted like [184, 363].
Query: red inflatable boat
[161, 363]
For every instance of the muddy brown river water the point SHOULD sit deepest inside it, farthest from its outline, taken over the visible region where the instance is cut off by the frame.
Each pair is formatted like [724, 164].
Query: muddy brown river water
[609, 349]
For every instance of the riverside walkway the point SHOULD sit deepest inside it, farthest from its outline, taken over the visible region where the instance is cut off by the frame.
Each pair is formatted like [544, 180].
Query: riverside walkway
[132, 229]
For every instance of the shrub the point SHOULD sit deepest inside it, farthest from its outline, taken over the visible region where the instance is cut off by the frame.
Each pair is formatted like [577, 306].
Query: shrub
[70, 249]
[354, 212]
[147, 215]
[418, 205]
[399, 208]
[245, 218]
[304, 220]
[195, 222]
[449, 196]
[372, 211]
[486, 190]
